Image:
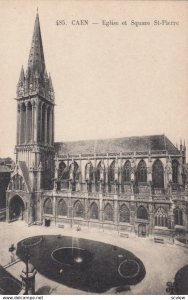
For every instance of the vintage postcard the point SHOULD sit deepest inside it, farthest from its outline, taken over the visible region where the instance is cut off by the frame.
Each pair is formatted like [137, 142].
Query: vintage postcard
[93, 172]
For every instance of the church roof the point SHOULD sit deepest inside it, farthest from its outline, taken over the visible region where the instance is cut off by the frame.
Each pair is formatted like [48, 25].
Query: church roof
[36, 57]
[117, 145]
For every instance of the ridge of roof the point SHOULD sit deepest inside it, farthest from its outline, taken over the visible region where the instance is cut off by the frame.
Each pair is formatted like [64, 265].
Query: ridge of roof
[113, 138]
[120, 144]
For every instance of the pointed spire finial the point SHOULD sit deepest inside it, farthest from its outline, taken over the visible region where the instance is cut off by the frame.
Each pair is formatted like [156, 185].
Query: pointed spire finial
[50, 83]
[22, 74]
[181, 147]
[22, 77]
[36, 56]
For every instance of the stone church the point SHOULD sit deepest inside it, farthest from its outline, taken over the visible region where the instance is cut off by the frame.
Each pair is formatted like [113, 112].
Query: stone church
[135, 184]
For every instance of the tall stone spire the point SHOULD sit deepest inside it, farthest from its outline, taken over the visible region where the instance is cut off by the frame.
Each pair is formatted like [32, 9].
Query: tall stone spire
[35, 80]
[36, 60]
[35, 117]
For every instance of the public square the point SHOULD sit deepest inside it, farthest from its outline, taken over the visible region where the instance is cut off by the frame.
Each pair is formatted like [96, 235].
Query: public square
[161, 261]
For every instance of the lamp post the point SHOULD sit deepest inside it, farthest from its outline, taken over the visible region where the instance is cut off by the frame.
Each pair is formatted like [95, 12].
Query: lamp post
[27, 256]
[11, 250]
[28, 275]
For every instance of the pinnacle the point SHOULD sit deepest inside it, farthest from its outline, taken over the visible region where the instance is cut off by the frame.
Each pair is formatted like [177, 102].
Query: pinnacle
[22, 75]
[50, 83]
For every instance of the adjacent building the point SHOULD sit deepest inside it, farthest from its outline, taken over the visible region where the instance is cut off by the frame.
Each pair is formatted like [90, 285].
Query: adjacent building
[6, 165]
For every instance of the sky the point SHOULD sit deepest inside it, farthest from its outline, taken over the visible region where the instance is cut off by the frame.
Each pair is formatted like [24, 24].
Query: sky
[110, 81]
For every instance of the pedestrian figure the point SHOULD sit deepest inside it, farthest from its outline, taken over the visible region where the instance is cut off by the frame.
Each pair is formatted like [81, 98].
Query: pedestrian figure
[12, 251]
[78, 228]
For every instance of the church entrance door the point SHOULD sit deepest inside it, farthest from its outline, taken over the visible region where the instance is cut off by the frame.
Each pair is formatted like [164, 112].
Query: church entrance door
[142, 230]
[16, 208]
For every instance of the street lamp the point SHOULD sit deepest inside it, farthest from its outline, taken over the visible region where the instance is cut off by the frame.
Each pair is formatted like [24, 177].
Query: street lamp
[26, 256]
[28, 275]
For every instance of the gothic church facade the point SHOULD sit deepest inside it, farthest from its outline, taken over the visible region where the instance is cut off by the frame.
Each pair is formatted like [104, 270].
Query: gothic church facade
[135, 184]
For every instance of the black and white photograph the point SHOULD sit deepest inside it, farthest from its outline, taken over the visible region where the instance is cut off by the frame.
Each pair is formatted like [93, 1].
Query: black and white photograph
[93, 138]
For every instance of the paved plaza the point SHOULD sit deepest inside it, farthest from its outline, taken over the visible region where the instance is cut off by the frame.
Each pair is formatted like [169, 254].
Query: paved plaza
[161, 261]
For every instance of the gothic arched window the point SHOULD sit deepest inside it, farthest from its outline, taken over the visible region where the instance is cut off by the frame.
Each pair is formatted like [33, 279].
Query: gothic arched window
[43, 108]
[78, 210]
[89, 171]
[76, 171]
[161, 217]
[108, 213]
[98, 172]
[48, 209]
[39, 122]
[62, 208]
[126, 172]
[142, 213]
[124, 214]
[178, 214]
[23, 124]
[29, 122]
[18, 183]
[175, 166]
[61, 169]
[158, 174]
[111, 172]
[142, 172]
[48, 124]
[94, 211]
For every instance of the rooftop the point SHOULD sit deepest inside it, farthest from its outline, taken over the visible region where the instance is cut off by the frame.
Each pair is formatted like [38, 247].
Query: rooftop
[4, 169]
[117, 145]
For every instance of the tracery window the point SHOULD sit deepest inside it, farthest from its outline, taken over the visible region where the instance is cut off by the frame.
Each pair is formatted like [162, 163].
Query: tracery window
[124, 214]
[78, 210]
[158, 174]
[17, 182]
[111, 172]
[98, 172]
[175, 166]
[76, 171]
[89, 172]
[62, 174]
[142, 213]
[23, 123]
[48, 208]
[142, 172]
[62, 208]
[126, 172]
[108, 213]
[178, 214]
[94, 211]
[161, 217]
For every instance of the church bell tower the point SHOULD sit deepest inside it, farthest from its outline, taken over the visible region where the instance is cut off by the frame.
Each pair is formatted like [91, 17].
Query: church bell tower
[35, 117]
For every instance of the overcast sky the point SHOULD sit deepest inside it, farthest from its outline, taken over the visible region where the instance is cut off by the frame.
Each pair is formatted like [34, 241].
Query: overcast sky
[110, 81]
